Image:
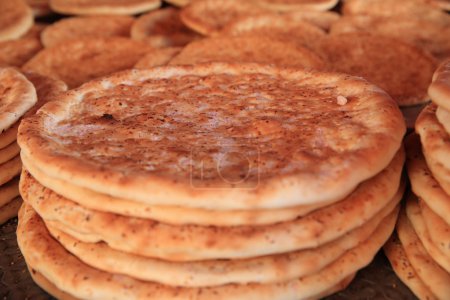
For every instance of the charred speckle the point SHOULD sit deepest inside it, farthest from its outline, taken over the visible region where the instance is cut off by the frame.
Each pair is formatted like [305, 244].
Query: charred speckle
[107, 117]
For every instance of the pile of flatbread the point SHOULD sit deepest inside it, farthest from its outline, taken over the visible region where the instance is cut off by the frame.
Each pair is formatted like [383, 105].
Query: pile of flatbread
[224, 181]
[20, 96]
[223, 149]
[420, 255]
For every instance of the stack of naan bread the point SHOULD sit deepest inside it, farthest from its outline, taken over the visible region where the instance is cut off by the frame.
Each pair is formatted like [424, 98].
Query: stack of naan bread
[213, 181]
[20, 96]
[211, 177]
[421, 253]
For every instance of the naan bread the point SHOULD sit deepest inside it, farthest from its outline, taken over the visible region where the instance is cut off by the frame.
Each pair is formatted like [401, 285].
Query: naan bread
[423, 183]
[9, 210]
[9, 191]
[10, 169]
[402, 70]
[439, 89]
[443, 117]
[302, 5]
[9, 152]
[249, 49]
[88, 26]
[162, 28]
[43, 254]
[104, 7]
[157, 57]
[402, 267]
[266, 269]
[16, 19]
[17, 95]
[436, 145]
[131, 159]
[78, 61]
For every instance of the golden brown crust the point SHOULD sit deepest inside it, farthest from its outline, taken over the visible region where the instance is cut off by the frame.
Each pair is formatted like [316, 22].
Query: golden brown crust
[17, 96]
[88, 26]
[157, 57]
[266, 269]
[9, 210]
[9, 152]
[249, 49]
[9, 191]
[19, 51]
[10, 169]
[306, 5]
[423, 183]
[346, 163]
[78, 61]
[9, 136]
[429, 35]
[404, 270]
[402, 70]
[193, 242]
[439, 89]
[162, 28]
[104, 7]
[16, 19]
[430, 273]
[322, 19]
[69, 274]
[209, 17]
[282, 26]
[435, 144]
[443, 116]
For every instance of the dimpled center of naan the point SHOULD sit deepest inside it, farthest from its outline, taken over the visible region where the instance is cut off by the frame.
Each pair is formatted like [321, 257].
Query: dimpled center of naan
[247, 126]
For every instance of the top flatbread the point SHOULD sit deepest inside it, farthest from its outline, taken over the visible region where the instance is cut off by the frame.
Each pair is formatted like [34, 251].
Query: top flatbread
[279, 139]
[16, 19]
[78, 61]
[250, 49]
[439, 89]
[305, 5]
[162, 28]
[103, 7]
[17, 96]
[209, 17]
[402, 70]
[90, 26]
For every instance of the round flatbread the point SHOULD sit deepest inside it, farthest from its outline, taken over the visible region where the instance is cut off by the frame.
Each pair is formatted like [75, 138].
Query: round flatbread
[402, 70]
[402, 267]
[43, 254]
[78, 61]
[193, 242]
[423, 183]
[9, 210]
[104, 7]
[439, 89]
[162, 28]
[277, 26]
[88, 26]
[17, 52]
[435, 139]
[9, 136]
[10, 169]
[17, 95]
[266, 269]
[431, 274]
[157, 57]
[320, 130]
[9, 152]
[415, 9]
[428, 35]
[248, 49]
[9, 191]
[49, 287]
[321, 19]
[305, 5]
[15, 20]
[443, 117]
[435, 144]
[174, 215]
[417, 220]
[209, 17]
